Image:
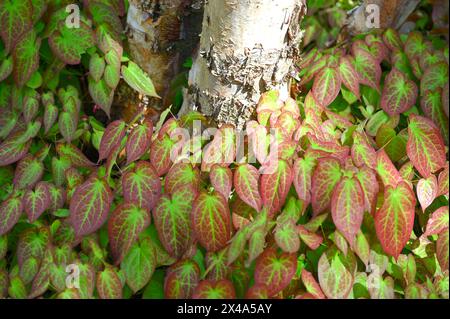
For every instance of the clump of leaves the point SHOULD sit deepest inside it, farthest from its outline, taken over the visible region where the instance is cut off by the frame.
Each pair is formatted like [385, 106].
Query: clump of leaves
[342, 193]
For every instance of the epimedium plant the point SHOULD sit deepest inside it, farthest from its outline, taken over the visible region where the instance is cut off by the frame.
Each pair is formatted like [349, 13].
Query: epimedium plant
[342, 193]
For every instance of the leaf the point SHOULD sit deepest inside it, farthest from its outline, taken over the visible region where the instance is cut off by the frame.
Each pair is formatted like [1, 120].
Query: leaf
[222, 149]
[275, 271]
[399, 93]
[15, 21]
[361, 248]
[26, 58]
[73, 154]
[303, 170]
[347, 207]
[246, 179]
[434, 77]
[311, 284]
[442, 250]
[443, 181]
[362, 152]
[221, 179]
[28, 172]
[326, 87]
[325, 178]
[368, 69]
[181, 280]
[393, 144]
[108, 284]
[139, 141]
[68, 44]
[275, 186]
[427, 189]
[415, 46]
[102, 94]
[395, 219]
[13, 149]
[388, 173]
[138, 79]
[139, 264]
[257, 292]
[207, 289]
[211, 221]
[50, 116]
[286, 237]
[10, 212]
[96, 67]
[160, 154]
[382, 288]
[68, 123]
[438, 222]
[336, 273]
[89, 206]
[127, 221]
[6, 68]
[348, 75]
[392, 39]
[141, 186]
[172, 220]
[114, 133]
[37, 201]
[425, 146]
[180, 175]
[311, 239]
[431, 104]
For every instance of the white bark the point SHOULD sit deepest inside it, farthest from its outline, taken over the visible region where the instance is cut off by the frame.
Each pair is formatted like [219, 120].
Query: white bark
[246, 48]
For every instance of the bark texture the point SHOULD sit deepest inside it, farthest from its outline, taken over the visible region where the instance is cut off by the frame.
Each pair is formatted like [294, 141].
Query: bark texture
[393, 13]
[246, 48]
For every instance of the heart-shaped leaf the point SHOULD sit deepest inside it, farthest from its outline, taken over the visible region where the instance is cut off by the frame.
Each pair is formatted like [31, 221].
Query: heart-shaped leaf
[207, 289]
[26, 57]
[399, 93]
[139, 141]
[182, 174]
[181, 280]
[138, 79]
[36, 201]
[325, 178]
[108, 284]
[112, 137]
[10, 211]
[246, 179]
[326, 87]
[427, 189]
[221, 179]
[15, 20]
[438, 222]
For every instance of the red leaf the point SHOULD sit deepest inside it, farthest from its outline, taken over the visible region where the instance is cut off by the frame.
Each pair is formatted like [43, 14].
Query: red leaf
[326, 87]
[160, 154]
[10, 211]
[348, 75]
[112, 137]
[399, 93]
[386, 170]
[182, 174]
[275, 270]
[395, 219]
[312, 285]
[208, 289]
[325, 178]
[246, 180]
[221, 179]
[37, 201]
[181, 279]
[139, 141]
[211, 221]
[438, 222]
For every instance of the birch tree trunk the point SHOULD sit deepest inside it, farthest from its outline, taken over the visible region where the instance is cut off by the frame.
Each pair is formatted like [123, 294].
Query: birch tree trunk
[246, 48]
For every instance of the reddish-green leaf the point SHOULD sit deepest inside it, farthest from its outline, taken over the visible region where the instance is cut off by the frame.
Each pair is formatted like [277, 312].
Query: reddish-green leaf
[347, 207]
[182, 174]
[275, 186]
[127, 221]
[326, 87]
[427, 189]
[50, 116]
[275, 270]
[37, 201]
[286, 236]
[208, 289]
[211, 221]
[67, 123]
[303, 170]
[386, 170]
[442, 250]
[311, 285]
[392, 39]
[415, 46]
[15, 20]
[348, 75]
[399, 93]
[108, 284]
[434, 77]
[139, 141]
[172, 219]
[368, 69]
[431, 104]
[74, 155]
[141, 186]
[369, 184]
[222, 149]
[26, 57]
[181, 280]
[438, 222]
[425, 146]
[221, 179]
[311, 239]
[13, 149]
[336, 273]
[362, 152]
[443, 182]
[325, 178]
[112, 137]
[28, 172]
[139, 264]
[361, 247]
[395, 219]
[89, 206]
[246, 180]
[102, 94]
[160, 154]
[258, 291]
[10, 212]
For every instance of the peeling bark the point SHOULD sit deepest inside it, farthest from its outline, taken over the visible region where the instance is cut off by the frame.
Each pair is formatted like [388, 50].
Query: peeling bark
[393, 14]
[246, 48]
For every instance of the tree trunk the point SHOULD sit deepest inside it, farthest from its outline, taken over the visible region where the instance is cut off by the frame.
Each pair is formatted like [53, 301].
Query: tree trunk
[246, 48]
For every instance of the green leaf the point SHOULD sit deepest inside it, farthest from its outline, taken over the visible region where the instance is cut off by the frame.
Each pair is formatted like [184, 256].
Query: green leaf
[15, 20]
[108, 284]
[138, 79]
[26, 58]
[399, 93]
